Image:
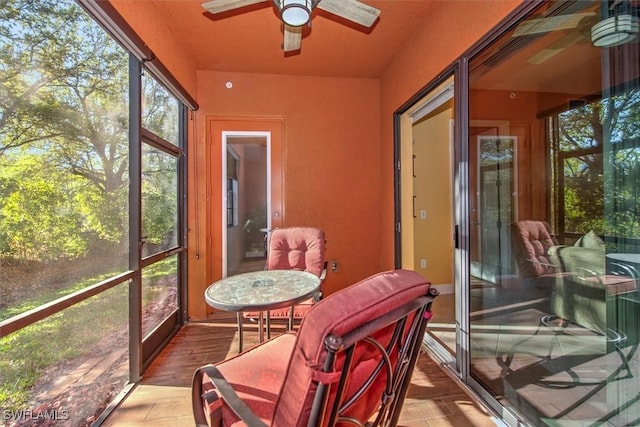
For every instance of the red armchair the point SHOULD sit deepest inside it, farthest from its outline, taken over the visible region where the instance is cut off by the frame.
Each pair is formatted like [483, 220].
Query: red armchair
[532, 242]
[351, 358]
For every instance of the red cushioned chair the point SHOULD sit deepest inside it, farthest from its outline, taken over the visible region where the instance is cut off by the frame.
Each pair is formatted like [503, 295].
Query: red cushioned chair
[532, 242]
[533, 248]
[295, 248]
[581, 290]
[351, 359]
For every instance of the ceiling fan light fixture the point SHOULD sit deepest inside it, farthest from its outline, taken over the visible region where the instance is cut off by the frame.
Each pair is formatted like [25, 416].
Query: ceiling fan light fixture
[295, 12]
[615, 30]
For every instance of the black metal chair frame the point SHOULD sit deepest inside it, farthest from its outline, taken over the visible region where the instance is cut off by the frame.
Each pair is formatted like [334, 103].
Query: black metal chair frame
[407, 344]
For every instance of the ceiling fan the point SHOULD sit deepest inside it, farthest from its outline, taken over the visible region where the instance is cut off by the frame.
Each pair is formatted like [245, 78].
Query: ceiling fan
[619, 25]
[297, 13]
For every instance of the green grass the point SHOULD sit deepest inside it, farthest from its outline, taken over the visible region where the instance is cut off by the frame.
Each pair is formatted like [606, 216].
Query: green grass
[51, 295]
[27, 353]
[76, 331]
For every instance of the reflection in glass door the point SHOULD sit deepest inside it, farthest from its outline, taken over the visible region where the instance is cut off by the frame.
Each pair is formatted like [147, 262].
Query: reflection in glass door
[496, 162]
[554, 340]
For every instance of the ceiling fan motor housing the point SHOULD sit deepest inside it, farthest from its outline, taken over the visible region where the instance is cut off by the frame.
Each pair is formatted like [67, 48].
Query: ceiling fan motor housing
[296, 13]
[615, 30]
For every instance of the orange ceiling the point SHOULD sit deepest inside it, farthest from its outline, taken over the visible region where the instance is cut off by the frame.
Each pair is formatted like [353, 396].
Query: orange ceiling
[249, 39]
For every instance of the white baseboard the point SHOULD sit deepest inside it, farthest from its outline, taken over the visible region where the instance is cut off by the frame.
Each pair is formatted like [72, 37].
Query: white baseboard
[444, 288]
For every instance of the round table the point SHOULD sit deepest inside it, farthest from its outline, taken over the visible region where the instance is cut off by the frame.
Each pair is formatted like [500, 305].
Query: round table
[261, 291]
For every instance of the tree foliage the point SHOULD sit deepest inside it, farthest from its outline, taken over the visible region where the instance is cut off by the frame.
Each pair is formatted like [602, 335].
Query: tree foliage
[64, 106]
[600, 145]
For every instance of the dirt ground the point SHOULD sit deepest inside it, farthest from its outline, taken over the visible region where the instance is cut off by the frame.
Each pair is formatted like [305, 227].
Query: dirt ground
[20, 281]
[75, 392]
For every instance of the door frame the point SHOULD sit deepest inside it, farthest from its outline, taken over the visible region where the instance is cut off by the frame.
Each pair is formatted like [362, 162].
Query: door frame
[427, 100]
[225, 146]
[496, 129]
[215, 126]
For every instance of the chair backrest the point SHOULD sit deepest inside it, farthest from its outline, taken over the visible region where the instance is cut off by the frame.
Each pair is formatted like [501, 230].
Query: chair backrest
[296, 248]
[531, 241]
[346, 359]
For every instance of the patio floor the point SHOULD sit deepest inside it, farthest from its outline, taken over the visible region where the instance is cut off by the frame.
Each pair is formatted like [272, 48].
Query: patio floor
[163, 397]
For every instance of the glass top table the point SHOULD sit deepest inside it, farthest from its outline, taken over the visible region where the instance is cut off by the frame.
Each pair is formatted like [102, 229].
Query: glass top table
[261, 291]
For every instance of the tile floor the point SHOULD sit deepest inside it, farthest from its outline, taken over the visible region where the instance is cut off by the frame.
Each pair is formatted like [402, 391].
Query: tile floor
[558, 376]
[163, 398]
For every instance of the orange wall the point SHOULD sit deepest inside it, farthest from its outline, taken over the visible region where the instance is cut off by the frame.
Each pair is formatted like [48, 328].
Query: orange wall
[143, 18]
[331, 157]
[452, 27]
[338, 144]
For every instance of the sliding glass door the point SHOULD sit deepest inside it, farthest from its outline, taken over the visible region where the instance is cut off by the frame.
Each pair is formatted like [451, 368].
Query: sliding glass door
[91, 214]
[553, 329]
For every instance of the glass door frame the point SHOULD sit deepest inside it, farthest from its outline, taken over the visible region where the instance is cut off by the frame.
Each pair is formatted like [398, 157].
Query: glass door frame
[459, 365]
[433, 90]
[144, 349]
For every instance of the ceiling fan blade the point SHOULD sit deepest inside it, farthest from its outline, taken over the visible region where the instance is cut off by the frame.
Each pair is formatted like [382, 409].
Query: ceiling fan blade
[351, 10]
[217, 6]
[556, 47]
[292, 38]
[550, 23]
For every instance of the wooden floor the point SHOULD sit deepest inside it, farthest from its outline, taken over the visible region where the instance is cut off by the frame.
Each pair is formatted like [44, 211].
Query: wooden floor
[163, 398]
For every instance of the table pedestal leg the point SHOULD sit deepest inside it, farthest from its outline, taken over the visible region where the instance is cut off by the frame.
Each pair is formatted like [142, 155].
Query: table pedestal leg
[261, 326]
[268, 325]
[290, 324]
[239, 317]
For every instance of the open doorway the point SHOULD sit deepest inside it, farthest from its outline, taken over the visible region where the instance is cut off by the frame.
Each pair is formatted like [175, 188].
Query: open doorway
[427, 201]
[240, 142]
[246, 204]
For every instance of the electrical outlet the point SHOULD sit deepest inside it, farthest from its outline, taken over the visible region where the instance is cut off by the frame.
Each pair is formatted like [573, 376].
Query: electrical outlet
[423, 263]
[334, 266]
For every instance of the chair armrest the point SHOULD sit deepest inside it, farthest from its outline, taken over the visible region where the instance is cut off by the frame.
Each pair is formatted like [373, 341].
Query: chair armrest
[323, 273]
[226, 392]
[584, 273]
[623, 269]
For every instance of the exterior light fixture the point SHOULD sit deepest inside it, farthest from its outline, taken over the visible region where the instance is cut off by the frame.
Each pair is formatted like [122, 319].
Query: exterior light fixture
[615, 30]
[295, 12]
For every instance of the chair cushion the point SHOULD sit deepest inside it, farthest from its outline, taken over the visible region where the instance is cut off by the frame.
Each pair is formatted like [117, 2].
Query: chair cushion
[580, 259]
[337, 314]
[296, 248]
[299, 310]
[532, 241]
[591, 240]
[263, 367]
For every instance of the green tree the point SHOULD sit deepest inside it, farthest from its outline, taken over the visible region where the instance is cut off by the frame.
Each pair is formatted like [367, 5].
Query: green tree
[63, 103]
[64, 98]
[159, 197]
[600, 145]
[38, 218]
